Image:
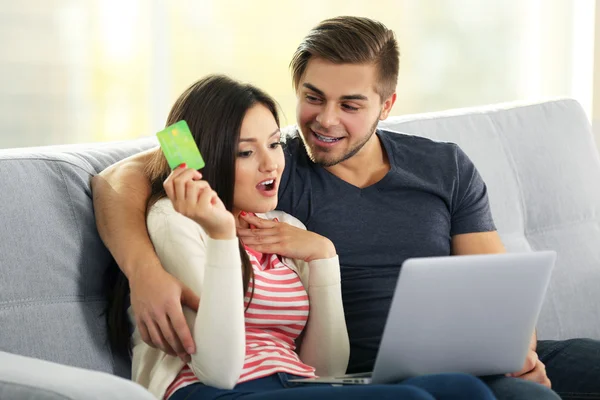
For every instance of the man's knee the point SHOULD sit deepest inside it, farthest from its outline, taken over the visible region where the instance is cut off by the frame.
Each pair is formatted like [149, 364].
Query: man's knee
[506, 388]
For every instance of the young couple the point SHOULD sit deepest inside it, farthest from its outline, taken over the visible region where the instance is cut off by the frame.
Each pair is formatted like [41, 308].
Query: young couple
[261, 294]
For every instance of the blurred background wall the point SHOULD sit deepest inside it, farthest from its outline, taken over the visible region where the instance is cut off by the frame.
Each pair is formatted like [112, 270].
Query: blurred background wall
[97, 70]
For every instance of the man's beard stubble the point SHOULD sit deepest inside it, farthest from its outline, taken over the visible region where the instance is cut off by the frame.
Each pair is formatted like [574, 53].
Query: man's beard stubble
[323, 161]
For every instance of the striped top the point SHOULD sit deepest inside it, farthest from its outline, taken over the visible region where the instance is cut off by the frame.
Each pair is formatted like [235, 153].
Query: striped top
[275, 318]
[211, 268]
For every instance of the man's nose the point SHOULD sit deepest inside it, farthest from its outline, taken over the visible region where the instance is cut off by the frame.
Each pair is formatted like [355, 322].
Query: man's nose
[328, 117]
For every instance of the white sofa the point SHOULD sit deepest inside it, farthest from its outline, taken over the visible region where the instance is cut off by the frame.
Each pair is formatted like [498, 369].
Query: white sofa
[539, 161]
[542, 169]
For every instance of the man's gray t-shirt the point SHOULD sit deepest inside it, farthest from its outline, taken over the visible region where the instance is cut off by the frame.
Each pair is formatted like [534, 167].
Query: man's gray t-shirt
[432, 192]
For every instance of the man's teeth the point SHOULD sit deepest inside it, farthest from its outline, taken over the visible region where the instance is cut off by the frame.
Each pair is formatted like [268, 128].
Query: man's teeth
[325, 138]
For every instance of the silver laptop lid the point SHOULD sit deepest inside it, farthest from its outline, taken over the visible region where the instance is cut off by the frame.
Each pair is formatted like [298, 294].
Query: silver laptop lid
[472, 314]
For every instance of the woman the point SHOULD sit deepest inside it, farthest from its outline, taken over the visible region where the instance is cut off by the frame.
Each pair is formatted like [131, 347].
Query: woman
[262, 318]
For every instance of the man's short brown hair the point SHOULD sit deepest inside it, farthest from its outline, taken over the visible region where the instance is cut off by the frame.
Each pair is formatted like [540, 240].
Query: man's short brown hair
[351, 40]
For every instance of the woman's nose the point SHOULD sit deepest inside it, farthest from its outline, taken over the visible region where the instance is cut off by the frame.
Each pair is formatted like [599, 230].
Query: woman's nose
[268, 164]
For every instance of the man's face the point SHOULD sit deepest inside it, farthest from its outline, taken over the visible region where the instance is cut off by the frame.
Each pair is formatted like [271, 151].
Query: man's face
[338, 109]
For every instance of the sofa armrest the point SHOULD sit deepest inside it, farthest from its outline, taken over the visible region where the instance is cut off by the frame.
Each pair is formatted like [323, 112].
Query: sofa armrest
[25, 378]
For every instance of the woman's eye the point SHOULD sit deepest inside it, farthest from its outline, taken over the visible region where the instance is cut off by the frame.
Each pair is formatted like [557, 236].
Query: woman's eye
[276, 144]
[244, 153]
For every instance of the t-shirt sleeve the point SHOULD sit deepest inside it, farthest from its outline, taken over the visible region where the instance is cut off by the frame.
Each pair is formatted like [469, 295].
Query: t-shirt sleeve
[470, 205]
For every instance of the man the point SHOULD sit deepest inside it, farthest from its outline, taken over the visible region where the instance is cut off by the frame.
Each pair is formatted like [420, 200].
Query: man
[380, 197]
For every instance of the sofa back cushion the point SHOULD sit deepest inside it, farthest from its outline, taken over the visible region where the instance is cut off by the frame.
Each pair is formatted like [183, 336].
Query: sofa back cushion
[542, 170]
[52, 260]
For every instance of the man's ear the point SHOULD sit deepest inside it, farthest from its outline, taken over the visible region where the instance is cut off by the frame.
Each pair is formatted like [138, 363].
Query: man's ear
[387, 106]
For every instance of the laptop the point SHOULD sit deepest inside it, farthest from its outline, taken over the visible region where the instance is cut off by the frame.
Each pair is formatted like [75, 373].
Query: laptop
[473, 314]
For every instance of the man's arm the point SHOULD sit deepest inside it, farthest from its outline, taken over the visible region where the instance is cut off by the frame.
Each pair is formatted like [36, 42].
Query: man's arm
[482, 243]
[120, 196]
[490, 243]
[477, 243]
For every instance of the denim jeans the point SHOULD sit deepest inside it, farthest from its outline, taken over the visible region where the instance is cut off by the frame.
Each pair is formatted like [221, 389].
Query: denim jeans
[277, 387]
[573, 367]
[507, 388]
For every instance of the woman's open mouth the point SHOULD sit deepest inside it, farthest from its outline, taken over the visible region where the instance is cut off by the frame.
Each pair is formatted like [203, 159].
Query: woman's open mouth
[268, 187]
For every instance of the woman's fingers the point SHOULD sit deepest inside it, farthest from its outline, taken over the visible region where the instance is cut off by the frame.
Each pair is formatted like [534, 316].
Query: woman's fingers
[180, 183]
[185, 193]
[192, 191]
[205, 198]
[254, 240]
[216, 200]
[258, 222]
[175, 183]
[271, 248]
[174, 174]
[244, 232]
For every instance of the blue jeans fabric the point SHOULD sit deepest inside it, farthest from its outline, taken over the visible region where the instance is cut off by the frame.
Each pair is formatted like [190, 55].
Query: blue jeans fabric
[573, 367]
[507, 388]
[277, 387]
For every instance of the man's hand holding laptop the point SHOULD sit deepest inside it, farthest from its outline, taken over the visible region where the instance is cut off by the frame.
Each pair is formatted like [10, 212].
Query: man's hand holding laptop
[534, 370]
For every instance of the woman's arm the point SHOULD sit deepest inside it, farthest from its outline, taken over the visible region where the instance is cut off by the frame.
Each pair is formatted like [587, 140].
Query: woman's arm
[325, 344]
[211, 268]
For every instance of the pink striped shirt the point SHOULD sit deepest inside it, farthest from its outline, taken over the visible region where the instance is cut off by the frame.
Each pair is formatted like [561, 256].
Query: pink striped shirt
[275, 318]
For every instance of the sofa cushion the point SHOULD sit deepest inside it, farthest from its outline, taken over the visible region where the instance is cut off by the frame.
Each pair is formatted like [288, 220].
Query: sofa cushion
[25, 378]
[53, 261]
[542, 170]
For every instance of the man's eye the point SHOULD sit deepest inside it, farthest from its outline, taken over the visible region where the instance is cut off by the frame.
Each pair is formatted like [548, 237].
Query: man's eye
[349, 107]
[312, 98]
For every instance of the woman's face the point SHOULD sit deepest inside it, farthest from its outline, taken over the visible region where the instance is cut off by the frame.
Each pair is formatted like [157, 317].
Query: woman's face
[259, 163]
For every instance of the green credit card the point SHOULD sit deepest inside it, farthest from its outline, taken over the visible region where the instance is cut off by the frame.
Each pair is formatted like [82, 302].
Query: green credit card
[179, 146]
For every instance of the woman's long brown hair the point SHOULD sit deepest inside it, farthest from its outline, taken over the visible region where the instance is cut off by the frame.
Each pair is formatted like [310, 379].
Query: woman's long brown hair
[214, 109]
